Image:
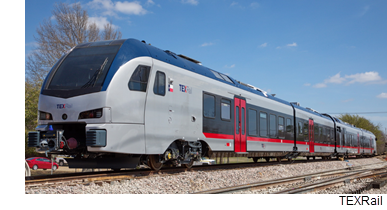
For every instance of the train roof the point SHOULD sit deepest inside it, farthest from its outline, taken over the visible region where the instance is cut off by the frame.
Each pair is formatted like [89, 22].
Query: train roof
[343, 123]
[132, 48]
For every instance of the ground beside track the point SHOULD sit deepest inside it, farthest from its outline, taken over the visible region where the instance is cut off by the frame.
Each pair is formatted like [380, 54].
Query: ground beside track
[189, 182]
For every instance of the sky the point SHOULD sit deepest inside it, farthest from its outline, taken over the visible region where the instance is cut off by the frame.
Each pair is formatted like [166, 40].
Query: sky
[328, 55]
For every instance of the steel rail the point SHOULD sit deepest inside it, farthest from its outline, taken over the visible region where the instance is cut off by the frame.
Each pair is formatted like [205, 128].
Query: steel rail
[287, 180]
[331, 182]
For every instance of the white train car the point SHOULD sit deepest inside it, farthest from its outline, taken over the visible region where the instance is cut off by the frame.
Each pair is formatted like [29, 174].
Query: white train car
[115, 104]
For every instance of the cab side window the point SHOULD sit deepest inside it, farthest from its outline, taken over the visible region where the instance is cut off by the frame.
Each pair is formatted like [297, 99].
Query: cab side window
[139, 79]
[159, 86]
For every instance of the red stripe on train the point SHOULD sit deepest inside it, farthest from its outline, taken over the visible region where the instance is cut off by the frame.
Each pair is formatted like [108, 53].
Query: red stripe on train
[251, 138]
[218, 136]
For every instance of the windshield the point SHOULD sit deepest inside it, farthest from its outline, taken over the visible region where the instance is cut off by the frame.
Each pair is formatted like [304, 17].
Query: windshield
[84, 68]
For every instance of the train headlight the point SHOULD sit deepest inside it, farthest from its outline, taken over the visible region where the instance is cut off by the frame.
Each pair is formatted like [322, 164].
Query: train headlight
[44, 116]
[96, 113]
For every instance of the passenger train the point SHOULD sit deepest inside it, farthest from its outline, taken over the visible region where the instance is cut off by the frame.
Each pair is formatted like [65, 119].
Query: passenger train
[117, 104]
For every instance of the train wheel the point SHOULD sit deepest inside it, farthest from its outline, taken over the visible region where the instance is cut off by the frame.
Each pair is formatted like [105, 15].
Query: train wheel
[154, 162]
[267, 159]
[255, 159]
[189, 165]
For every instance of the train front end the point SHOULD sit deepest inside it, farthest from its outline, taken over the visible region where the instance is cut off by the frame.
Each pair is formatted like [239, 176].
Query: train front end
[73, 110]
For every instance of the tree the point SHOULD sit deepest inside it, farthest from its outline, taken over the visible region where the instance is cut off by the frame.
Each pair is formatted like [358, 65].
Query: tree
[31, 106]
[364, 123]
[68, 27]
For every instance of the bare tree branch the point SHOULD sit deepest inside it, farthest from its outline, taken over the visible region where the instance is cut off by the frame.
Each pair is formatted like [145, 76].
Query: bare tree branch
[68, 27]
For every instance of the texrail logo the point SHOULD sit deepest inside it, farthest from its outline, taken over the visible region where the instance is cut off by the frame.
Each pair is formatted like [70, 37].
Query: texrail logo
[185, 89]
[63, 106]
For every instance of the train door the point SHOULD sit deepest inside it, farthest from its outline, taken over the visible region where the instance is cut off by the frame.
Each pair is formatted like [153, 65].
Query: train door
[311, 136]
[240, 125]
[358, 143]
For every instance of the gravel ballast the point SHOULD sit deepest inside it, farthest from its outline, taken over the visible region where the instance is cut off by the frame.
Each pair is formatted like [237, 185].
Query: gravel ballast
[194, 181]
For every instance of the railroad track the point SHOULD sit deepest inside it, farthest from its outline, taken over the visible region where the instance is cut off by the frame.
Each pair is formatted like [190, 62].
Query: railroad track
[339, 177]
[337, 181]
[109, 176]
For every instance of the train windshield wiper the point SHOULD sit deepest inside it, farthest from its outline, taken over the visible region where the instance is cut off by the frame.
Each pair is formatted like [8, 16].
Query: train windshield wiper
[95, 76]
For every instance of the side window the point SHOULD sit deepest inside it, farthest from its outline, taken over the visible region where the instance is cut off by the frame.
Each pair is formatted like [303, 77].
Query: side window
[273, 126]
[306, 131]
[139, 79]
[354, 139]
[300, 128]
[332, 138]
[243, 121]
[159, 86]
[344, 137]
[289, 127]
[315, 133]
[208, 106]
[281, 127]
[225, 109]
[252, 123]
[263, 124]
